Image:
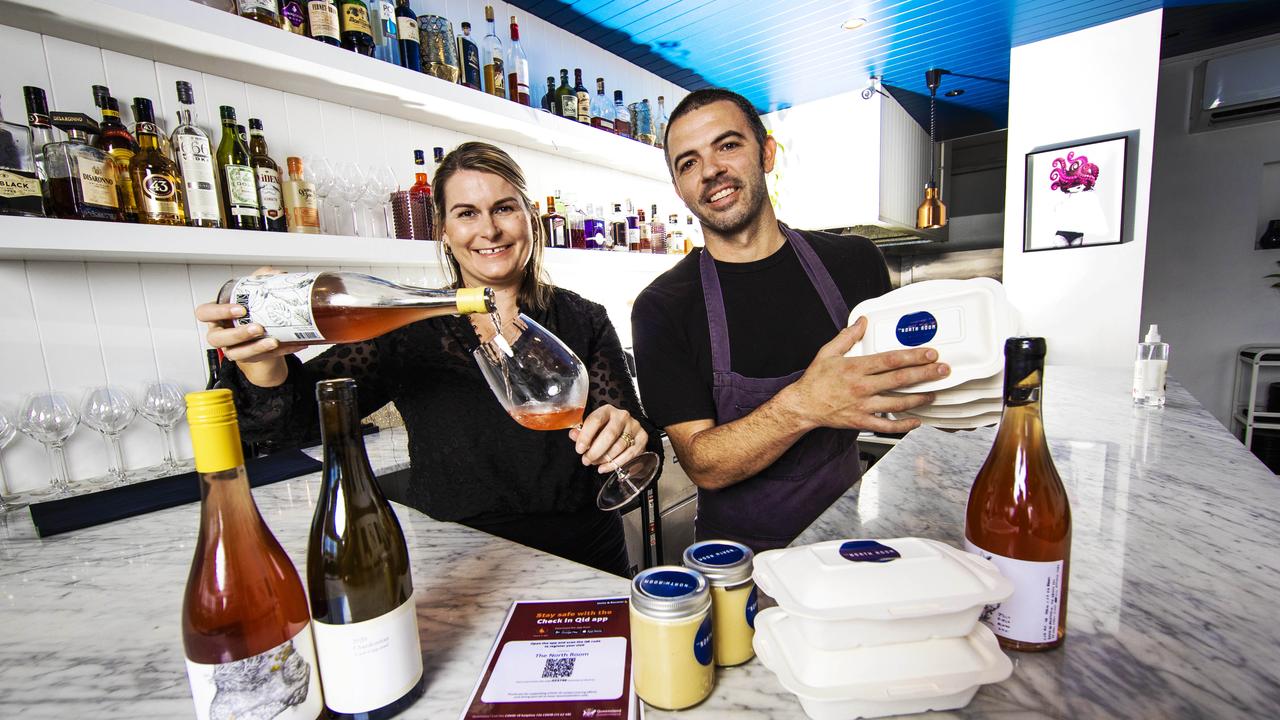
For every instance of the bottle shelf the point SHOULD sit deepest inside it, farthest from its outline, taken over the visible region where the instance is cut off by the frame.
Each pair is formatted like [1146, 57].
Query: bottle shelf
[201, 38]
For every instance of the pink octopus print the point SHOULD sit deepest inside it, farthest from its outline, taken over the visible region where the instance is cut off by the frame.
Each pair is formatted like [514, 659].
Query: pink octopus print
[1073, 174]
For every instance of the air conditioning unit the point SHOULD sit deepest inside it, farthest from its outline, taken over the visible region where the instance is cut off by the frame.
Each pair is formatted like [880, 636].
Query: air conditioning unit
[1237, 89]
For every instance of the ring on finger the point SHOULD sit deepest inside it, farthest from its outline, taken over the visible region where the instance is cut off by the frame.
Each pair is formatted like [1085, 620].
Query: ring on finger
[628, 439]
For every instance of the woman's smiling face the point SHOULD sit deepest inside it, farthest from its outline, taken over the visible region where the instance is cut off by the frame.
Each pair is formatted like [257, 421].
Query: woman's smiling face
[487, 228]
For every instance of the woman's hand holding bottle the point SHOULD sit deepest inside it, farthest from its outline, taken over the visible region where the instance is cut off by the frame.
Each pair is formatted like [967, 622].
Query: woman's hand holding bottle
[259, 357]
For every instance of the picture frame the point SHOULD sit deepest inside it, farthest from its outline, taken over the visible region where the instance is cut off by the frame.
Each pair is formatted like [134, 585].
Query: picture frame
[1078, 194]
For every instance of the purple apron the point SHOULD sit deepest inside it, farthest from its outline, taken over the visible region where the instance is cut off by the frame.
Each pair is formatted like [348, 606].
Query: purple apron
[769, 510]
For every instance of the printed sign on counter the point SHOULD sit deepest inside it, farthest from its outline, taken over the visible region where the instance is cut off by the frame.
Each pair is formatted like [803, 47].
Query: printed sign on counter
[558, 658]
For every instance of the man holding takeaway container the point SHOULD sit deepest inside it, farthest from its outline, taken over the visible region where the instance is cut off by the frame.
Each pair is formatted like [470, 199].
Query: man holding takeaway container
[740, 347]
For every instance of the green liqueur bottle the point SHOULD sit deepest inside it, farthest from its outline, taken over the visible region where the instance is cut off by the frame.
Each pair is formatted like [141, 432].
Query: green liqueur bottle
[239, 184]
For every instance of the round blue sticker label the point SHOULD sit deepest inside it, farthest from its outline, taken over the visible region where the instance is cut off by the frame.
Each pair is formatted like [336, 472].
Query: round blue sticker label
[669, 584]
[702, 642]
[916, 328]
[718, 554]
[867, 551]
[753, 605]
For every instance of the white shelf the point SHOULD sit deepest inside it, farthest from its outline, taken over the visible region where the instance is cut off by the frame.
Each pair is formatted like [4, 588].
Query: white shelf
[201, 38]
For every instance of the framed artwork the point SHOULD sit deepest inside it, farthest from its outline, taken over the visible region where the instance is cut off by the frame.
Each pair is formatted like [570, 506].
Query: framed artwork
[1076, 195]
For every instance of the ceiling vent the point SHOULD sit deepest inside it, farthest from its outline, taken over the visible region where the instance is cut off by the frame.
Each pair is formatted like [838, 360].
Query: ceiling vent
[1237, 89]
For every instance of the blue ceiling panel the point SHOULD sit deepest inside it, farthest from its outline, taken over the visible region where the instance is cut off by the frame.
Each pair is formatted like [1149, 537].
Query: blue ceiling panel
[780, 53]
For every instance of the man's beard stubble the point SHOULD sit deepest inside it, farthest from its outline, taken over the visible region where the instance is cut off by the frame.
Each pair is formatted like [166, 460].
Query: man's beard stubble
[754, 196]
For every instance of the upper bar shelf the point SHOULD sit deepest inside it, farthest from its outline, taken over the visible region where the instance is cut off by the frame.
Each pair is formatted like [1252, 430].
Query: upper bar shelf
[193, 36]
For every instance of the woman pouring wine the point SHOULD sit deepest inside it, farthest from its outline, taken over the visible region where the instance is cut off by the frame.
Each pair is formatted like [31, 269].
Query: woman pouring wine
[470, 461]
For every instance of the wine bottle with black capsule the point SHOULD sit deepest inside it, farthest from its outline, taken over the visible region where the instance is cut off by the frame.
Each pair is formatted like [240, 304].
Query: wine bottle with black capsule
[1019, 516]
[239, 184]
[358, 575]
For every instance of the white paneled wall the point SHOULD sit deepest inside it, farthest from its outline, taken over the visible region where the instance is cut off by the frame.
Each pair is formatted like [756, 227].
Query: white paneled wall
[73, 325]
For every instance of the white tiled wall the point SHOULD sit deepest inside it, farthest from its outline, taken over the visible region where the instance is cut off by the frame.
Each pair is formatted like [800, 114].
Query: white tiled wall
[74, 325]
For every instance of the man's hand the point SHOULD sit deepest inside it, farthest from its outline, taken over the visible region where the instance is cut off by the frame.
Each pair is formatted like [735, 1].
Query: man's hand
[840, 392]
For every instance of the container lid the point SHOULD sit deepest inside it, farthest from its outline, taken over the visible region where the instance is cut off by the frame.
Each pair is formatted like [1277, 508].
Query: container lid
[722, 562]
[881, 673]
[670, 592]
[863, 579]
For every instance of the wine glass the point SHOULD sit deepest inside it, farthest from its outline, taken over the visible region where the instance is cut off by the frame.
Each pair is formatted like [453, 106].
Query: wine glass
[8, 501]
[372, 203]
[349, 182]
[389, 184]
[542, 385]
[109, 410]
[318, 171]
[50, 418]
[163, 404]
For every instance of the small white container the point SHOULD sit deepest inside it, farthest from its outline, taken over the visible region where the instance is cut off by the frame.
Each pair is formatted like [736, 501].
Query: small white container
[966, 321]
[869, 682]
[848, 593]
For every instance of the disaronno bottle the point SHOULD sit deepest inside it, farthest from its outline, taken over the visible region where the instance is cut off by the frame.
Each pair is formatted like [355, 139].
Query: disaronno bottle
[246, 629]
[342, 307]
[1018, 515]
[83, 180]
[727, 567]
[671, 637]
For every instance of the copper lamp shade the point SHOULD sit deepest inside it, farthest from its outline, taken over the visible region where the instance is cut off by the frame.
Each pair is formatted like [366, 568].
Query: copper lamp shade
[932, 213]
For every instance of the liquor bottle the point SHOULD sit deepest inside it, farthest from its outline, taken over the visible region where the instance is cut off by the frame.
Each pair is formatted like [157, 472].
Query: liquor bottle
[195, 160]
[566, 99]
[517, 68]
[420, 200]
[437, 153]
[576, 221]
[642, 126]
[601, 109]
[156, 180]
[693, 233]
[469, 53]
[553, 228]
[549, 99]
[267, 174]
[618, 228]
[302, 212]
[584, 97]
[495, 76]
[245, 620]
[407, 32]
[1018, 515]
[358, 576]
[239, 185]
[114, 138]
[342, 307]
[354, 22]
[675, 236]
[84, 181]
[266, 12]
[440, 49]
[293, 16]
[621, 116]
[660, 124]
[386, 34]
[642, 228]
[323, 23]
[633, 228]
[20, 191]
[41, 136]
[657, 233]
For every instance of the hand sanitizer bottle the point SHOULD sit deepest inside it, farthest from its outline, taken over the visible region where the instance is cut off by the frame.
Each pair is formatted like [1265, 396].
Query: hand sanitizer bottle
[1149, 370]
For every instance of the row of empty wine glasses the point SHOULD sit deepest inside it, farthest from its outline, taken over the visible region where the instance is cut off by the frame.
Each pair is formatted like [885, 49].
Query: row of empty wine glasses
[51, 417]
[353, 200]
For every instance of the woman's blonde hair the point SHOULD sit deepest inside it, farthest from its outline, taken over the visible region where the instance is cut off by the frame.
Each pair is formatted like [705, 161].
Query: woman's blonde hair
[535, 288]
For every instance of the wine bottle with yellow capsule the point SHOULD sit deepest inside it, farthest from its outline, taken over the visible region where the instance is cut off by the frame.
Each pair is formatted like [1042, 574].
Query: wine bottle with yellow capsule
[246, 629]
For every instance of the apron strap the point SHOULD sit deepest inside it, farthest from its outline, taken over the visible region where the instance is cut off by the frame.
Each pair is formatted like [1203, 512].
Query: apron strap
[821, 279]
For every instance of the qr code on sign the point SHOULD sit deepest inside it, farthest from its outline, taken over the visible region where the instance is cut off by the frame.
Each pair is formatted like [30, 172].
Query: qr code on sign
[558, 668]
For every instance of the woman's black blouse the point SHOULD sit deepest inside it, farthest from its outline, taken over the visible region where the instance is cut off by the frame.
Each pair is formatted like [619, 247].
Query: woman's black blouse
[469, 460]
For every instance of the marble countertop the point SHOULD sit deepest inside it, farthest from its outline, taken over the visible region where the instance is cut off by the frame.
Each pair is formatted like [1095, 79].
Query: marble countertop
[1172, 595]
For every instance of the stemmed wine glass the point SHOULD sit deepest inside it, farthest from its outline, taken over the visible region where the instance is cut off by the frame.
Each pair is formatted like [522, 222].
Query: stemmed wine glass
[350, 185]
[318, 171]
[543, 386]
[387, 184]
[163, 404]
[8, 502]
[50, 418]
[109, 410]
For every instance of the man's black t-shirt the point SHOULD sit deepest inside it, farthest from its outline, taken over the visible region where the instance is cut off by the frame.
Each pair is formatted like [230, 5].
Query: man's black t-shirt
[776, 319]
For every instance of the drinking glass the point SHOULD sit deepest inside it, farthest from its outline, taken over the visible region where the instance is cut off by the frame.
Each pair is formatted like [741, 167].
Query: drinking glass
[8, 501]
[372, 203]
[109, 410]
[349, 182]
[319, 171]
[50, 418]
[388, 184]
[542, 385]
[163, 404]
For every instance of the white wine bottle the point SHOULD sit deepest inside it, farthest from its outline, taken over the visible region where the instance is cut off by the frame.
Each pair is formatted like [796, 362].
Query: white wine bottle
[366, 623]
[245, 626]
[342, 307]
[1019, 516]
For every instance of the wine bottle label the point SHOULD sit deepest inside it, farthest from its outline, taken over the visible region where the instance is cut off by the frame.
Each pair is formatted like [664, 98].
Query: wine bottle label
[268, 6]
[292, 12]
[281, 304]
[558, 238]
[407, 29]
[269, 193]
[97, 183]
[324, 19]
[196, 162]
[387, 17]
[16, 184]
[1030, 615]
[569, 106]
[282, 683]
[242, 191]
[602, 123]
[370, 664]
[355, 18]
[160, 195]
[584, 107]
[300, 206]
[494, 77]
[470, 64]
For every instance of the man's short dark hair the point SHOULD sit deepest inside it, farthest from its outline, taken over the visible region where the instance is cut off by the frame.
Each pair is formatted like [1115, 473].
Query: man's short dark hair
[706, 96]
